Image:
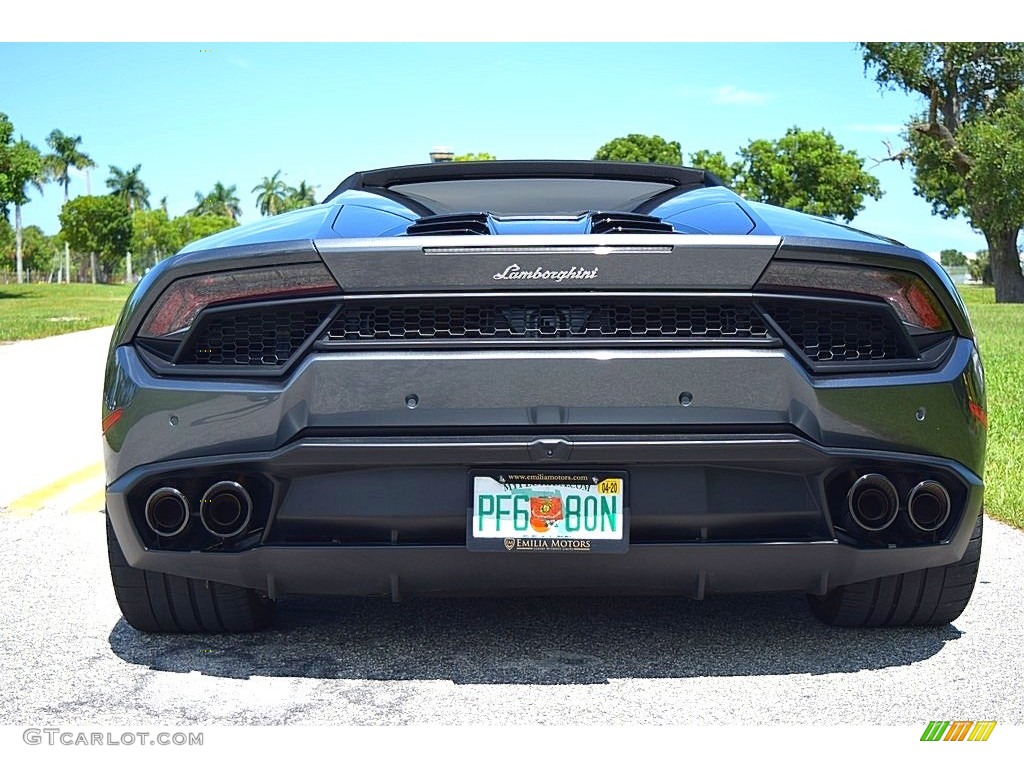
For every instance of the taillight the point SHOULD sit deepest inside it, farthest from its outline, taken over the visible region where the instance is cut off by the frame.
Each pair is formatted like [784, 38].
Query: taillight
[180, 303]
[911, 298]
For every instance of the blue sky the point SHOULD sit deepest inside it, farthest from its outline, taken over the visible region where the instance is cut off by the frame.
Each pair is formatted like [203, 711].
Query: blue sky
[320, 111]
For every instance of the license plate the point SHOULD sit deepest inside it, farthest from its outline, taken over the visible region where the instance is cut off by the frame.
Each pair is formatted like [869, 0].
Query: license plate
[547, 512]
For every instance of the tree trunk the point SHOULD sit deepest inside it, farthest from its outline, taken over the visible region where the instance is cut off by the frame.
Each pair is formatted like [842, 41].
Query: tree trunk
[67, 248]
[17, 241]
[128, 254]
[1005, 260]
[92, 265]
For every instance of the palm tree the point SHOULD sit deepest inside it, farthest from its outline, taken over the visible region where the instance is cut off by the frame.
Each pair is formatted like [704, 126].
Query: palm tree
[26, 170]
[129, 187]
[65, 156]
[273, 193]
[227, 202]
[221, 201]
[203, 205]
[301, 196]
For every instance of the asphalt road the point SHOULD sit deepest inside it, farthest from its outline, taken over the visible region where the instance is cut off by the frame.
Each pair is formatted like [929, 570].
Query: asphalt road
[66, 656]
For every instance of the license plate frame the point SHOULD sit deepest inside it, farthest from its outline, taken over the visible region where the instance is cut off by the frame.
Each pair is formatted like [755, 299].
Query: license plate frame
[568, 523]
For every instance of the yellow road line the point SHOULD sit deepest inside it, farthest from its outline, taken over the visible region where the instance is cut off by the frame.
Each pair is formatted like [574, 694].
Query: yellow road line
[38, 498]
[92, 503]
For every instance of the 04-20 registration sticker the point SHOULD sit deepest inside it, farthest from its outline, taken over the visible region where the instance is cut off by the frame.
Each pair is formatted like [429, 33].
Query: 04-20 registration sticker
[548, 512]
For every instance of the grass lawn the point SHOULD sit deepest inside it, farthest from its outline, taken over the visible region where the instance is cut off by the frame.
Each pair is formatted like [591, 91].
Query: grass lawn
[1000, 329]
[33, 311]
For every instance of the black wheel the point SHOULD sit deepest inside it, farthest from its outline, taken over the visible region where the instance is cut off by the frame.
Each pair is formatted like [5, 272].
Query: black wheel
[931, 596]
[159, 602]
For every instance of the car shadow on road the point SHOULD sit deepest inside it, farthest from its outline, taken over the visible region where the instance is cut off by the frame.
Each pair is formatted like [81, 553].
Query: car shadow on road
[535, 641]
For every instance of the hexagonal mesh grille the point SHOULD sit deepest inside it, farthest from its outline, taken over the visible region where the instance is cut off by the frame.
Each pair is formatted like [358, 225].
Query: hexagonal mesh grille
[539, 320]
[837, 333]
[252, 337]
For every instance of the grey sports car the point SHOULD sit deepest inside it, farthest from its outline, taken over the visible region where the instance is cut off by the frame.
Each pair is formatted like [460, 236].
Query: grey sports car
[543, 377]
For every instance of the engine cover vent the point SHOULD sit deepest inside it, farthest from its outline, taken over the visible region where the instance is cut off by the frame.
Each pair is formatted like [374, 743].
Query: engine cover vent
[614, 223]
[457, 224]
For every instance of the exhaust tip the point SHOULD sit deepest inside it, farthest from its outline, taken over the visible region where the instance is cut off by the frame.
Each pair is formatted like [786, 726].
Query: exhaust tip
[226, 509]
[928, 505]
[873, 502]
[167, 511]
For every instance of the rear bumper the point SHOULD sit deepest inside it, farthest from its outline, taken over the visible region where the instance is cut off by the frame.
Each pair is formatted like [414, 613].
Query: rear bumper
[695, 570]
[543, 392]
[735, 460]
[384, 516]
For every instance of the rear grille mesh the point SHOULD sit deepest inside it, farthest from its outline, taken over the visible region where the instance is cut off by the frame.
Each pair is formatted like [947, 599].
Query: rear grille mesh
[253, 336]
[827, 333]
[837, 333]
[513, 320]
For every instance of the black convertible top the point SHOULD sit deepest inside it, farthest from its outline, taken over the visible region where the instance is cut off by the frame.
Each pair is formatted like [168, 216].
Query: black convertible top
[385, 178]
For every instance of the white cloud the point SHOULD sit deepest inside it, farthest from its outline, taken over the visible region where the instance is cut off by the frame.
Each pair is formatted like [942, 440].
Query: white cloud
[730, 94]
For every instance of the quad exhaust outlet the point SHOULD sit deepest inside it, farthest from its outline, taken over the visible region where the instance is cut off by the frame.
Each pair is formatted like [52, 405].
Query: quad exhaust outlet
[928, 505]
[167, 511]
[225, 509]
[873, 502]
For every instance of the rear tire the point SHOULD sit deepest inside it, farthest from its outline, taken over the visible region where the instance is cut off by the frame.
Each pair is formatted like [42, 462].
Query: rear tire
[928, 597]
[160, 602]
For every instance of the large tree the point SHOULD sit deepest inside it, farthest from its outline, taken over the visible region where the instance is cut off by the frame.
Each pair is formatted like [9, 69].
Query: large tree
[98, 225]
[65, 156]
[715, 162]
[6, 241]
[966, 146]
[272, 195]
[6, 182]
[154, 235]
[37, 249]
[640, 148]
[301, 196]
[128, 187]
[807, 171]
[21, 167]
[220, 201]
[190, 228]
[951, 257]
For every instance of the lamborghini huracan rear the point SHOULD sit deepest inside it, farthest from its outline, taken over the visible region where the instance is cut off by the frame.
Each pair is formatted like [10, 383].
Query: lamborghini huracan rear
[543, 377]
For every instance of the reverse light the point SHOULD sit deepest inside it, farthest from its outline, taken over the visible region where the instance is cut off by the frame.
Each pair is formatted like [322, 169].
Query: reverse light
[911, 298]
[180, 303]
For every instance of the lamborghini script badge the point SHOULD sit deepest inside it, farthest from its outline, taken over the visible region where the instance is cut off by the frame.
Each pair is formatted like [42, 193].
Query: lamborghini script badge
[515, 272]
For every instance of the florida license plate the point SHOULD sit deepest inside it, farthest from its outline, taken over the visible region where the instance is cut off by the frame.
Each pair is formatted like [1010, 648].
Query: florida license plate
[547, 512]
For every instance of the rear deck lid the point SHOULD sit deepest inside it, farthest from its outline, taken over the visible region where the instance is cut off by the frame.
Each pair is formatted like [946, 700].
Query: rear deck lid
[543, 262]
